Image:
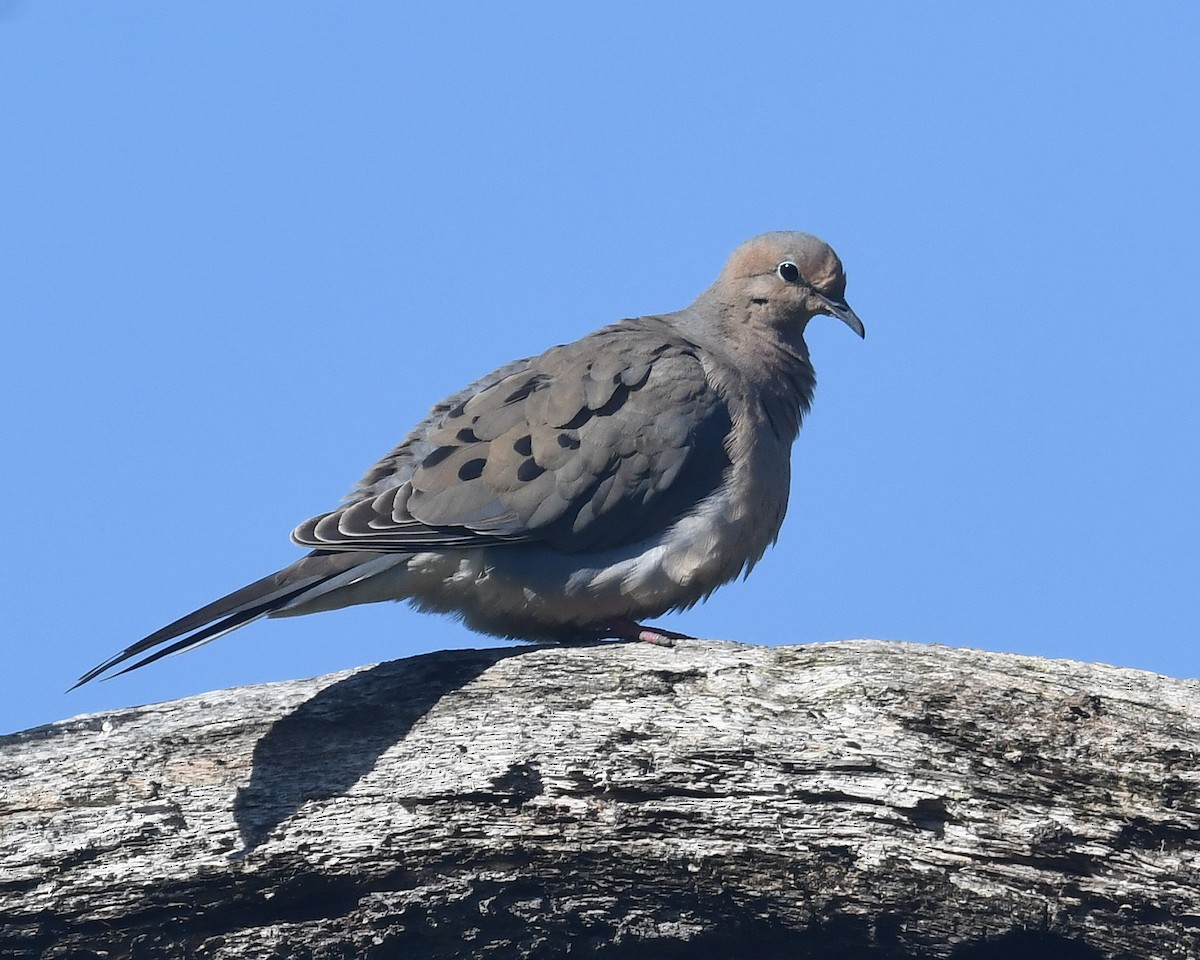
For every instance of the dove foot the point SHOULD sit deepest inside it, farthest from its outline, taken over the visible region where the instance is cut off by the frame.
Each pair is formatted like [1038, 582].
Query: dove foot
[627, 629]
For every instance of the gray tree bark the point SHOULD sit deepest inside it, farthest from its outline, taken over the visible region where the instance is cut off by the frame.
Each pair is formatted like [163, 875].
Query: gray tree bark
[856, 799]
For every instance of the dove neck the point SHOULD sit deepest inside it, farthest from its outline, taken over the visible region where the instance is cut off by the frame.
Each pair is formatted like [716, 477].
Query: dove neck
[756, 362]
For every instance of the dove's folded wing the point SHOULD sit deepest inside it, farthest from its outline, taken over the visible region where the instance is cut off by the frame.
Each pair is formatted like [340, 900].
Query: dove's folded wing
[592, 445]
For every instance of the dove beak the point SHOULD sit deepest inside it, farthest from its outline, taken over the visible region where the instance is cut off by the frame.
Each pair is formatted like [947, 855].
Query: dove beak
[841, 310]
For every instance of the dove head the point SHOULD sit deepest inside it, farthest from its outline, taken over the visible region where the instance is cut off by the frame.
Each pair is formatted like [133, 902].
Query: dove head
[783, 279]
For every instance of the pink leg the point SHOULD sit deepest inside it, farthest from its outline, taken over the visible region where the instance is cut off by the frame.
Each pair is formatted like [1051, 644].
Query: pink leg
[627, 629]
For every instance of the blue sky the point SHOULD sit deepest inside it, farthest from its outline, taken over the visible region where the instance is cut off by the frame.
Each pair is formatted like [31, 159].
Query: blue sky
[244, 247]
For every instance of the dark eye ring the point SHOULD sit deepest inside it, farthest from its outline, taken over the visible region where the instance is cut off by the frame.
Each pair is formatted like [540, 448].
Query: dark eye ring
[788, 271]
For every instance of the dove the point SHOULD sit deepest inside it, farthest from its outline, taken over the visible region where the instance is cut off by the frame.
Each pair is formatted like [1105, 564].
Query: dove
[569, 496]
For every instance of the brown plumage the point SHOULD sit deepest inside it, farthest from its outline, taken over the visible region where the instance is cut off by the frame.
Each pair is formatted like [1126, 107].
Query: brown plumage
[569, 495]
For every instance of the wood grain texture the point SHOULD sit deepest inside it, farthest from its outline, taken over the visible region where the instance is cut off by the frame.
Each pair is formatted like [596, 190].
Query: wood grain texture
[855, 799]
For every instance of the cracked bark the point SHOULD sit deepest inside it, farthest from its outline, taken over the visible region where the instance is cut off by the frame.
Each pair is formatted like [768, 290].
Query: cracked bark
[857, 799]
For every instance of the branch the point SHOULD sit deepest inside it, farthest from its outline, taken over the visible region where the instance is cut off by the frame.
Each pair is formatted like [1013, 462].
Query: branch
[859, 799]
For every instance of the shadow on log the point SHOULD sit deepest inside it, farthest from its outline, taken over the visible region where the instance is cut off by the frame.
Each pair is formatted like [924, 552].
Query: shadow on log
[856, 799]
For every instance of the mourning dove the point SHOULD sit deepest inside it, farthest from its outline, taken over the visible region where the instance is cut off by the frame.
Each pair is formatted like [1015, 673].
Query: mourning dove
[568, 496]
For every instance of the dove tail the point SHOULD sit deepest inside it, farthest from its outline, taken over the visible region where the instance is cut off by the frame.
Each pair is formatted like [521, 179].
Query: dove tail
[307, 578]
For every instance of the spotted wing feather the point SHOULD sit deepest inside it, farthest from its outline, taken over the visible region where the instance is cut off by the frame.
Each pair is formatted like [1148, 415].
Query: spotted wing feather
[590, 445]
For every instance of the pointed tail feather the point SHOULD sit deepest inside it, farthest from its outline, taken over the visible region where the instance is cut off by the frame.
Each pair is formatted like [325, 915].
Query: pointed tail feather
[311, 576]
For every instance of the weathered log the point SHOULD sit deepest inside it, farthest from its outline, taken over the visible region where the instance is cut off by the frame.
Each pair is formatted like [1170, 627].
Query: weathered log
[856, 799]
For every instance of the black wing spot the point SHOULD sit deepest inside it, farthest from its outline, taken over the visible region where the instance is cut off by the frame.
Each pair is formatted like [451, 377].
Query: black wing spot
[577, 421]
[568, 442]
[437, 456]
[466, 435]
[523, 445]
[529, 470]
[472, 469]
[523, 391]
[615, 402]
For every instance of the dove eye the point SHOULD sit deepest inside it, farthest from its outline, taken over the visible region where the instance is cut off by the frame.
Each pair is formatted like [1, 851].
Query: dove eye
[788, 271]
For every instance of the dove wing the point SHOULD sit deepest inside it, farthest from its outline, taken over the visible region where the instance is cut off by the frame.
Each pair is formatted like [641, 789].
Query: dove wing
[588, 446]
